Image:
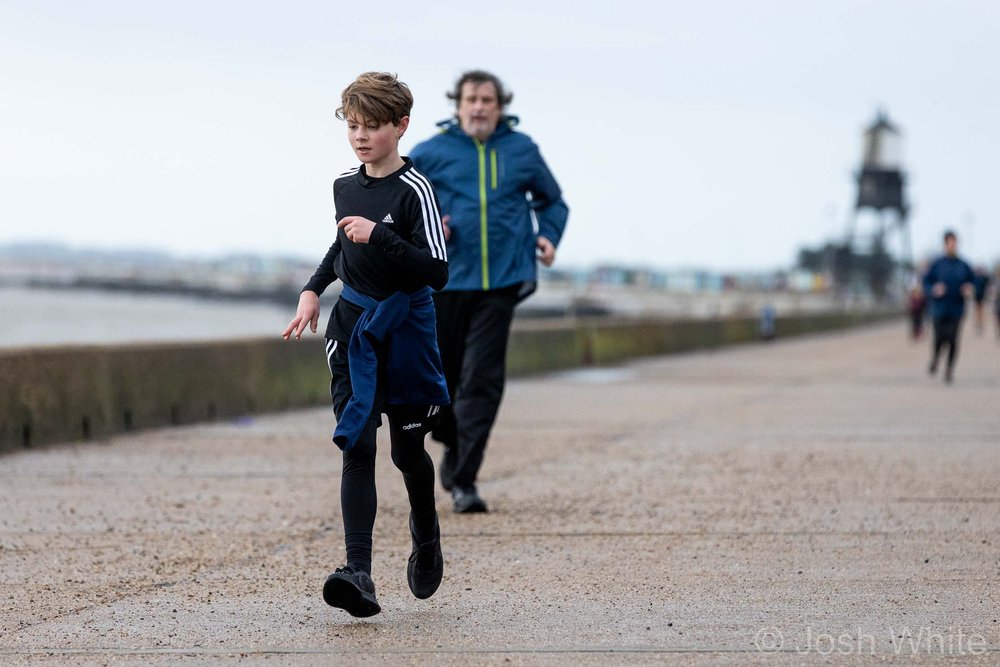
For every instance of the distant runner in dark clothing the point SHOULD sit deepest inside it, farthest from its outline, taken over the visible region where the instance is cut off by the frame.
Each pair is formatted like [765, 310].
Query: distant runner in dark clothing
[917, 307]
[979, 285]
[948, 282]
[996, 301]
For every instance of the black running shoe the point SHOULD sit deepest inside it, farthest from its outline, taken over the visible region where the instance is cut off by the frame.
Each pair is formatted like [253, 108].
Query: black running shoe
[466, 500]
[426, 566]
[351, 590]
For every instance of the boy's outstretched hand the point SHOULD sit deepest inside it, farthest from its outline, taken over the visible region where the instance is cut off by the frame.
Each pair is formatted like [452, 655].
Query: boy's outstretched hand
[306, 313]
[356, 228]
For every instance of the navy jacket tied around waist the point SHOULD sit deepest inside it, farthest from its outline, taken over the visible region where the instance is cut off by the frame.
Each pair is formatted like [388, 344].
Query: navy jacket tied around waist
[406, 324]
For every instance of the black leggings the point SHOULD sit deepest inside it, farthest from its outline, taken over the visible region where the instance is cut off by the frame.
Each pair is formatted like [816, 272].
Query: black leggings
[408, 424]
[946, 333]
[473, 329]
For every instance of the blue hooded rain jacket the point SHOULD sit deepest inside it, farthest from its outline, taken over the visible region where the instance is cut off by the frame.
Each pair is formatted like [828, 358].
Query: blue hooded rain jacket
[492, 190]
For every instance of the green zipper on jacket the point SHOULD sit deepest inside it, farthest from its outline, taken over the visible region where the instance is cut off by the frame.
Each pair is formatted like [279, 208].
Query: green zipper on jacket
[483, 235]
[493, 168]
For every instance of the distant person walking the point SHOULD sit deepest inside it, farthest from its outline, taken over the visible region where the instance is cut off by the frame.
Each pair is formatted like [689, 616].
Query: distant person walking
[917, 306]
[948, 282]
[996, 299]
[767, 321]
[494, 186]
[380, 341]
[979, 286]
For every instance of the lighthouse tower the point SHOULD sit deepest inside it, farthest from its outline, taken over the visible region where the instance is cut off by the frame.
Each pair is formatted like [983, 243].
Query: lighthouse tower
[879, 220]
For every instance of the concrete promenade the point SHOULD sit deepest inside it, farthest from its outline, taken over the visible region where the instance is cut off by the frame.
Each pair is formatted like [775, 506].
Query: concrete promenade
[822, 497]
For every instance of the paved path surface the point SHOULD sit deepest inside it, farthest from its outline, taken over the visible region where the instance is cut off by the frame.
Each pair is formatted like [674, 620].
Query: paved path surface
[822, 496]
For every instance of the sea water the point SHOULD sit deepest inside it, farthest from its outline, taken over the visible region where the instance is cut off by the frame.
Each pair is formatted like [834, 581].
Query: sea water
[46, 317]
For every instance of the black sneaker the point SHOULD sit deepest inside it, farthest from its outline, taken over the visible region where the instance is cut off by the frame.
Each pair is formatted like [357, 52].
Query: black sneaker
[466, 500]
[351, 590]
[426, 566]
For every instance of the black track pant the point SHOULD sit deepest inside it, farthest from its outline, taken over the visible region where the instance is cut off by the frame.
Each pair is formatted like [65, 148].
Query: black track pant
[473, 328]
[946, 333]
[408, 424]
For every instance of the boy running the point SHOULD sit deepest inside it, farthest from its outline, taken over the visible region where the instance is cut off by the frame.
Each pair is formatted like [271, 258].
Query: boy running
[381, 345]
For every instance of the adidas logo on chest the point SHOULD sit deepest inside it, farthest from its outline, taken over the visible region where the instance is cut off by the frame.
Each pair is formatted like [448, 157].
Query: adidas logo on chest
[387, 219]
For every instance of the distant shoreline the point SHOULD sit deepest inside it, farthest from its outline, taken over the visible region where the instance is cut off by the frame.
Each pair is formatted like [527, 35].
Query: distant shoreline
[282, 296]
[58, 314]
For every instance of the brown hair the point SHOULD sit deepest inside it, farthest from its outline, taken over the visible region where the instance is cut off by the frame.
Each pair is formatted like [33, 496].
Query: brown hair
[376, 96]
[478, 76]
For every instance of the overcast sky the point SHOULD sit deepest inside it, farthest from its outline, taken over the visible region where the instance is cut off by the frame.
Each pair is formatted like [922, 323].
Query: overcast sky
[720, 134]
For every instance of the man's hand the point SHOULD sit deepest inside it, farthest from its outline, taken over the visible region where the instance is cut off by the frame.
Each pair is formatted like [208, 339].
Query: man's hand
[546, 251]
[356, 228]
[939, 290]
[444, 225]
[306, 313]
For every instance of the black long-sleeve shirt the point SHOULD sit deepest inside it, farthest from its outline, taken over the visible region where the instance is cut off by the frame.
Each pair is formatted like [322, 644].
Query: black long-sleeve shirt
[406, 250]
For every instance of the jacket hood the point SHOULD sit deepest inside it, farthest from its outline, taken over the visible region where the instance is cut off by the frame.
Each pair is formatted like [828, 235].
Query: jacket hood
[507, 123]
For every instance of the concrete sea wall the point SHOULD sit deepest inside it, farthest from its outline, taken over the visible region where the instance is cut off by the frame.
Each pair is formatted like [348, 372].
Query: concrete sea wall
[50, 395]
